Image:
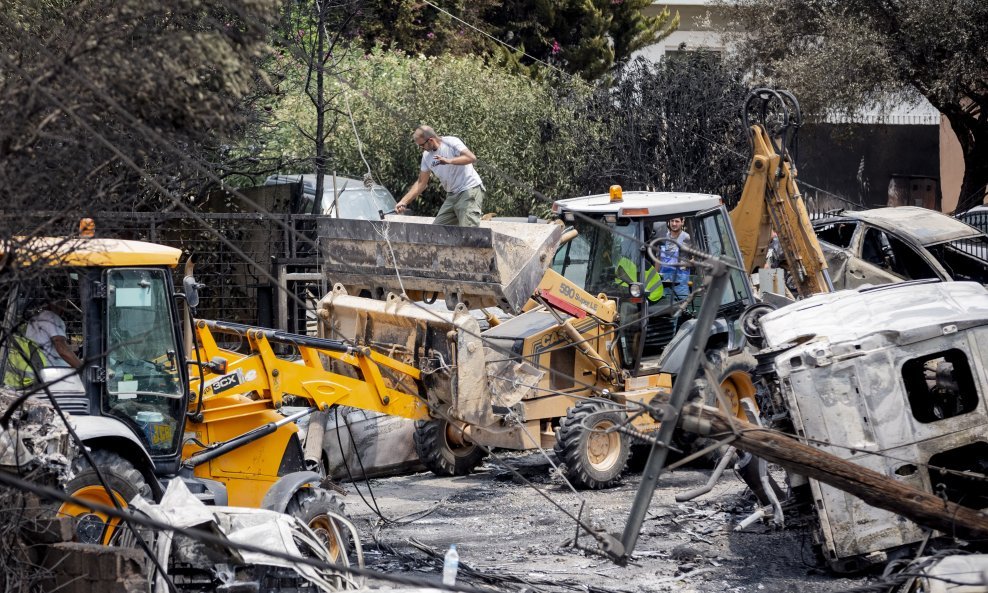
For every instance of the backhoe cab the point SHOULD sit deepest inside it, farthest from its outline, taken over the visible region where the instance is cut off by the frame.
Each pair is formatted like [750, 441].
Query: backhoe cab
[133, 404]
[624, 250]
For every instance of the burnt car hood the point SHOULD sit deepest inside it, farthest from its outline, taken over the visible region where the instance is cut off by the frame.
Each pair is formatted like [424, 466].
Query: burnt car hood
[907, 309]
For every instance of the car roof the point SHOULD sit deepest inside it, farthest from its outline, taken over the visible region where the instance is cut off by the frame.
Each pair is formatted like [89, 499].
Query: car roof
[926, 226]
[646, 203]
[308, 181]
[896, 310]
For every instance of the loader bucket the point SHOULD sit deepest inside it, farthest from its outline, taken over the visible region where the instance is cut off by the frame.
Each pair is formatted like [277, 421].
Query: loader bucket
[498, 264]
[460, 376]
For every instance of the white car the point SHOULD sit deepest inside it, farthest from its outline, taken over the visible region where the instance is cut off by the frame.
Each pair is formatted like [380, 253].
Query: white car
[343, 197]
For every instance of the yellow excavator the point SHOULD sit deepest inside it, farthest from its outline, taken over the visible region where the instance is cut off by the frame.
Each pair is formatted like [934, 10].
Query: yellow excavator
[595, 333]
[771, 202]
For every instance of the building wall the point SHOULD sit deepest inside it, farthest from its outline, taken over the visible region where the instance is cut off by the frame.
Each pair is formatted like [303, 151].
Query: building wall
[831, 156]
[951, 166]
[697, 29]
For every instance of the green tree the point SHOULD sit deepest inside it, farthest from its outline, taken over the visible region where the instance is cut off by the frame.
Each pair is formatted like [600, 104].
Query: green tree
[418, 28]
[584, 37]
[845, 56]
[525, 133]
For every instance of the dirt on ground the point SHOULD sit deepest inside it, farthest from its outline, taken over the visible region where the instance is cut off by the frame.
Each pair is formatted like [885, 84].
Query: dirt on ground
[513, 537]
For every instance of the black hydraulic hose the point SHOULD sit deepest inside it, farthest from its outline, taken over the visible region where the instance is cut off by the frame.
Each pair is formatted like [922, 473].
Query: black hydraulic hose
[278, 337]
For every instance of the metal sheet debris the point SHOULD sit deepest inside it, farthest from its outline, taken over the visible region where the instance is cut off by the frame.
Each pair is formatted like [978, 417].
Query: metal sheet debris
[189, 560]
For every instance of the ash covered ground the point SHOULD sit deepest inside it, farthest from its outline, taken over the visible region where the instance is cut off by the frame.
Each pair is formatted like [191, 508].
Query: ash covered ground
[515, 539]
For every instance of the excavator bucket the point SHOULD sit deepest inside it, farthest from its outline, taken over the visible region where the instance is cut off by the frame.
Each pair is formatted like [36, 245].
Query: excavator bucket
[498, 264]
[461, 377]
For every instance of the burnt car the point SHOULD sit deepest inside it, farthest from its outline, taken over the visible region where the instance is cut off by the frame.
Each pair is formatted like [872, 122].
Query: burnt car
[887, 245]
[892, 378]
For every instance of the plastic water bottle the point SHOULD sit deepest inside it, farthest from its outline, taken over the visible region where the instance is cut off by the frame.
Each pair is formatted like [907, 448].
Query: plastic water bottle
[450, 565]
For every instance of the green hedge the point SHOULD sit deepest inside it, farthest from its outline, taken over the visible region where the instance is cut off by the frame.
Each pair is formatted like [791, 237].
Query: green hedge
[526, 134]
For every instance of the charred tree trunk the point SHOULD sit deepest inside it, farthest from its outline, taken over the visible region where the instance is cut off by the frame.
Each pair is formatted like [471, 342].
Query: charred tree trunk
[320, 104]
[870, 486]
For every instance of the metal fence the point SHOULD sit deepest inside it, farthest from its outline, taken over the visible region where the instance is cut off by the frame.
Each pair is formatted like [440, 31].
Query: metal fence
[250, 264]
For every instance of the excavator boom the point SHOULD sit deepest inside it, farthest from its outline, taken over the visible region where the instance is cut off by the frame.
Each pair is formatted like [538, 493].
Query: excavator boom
[771, 201]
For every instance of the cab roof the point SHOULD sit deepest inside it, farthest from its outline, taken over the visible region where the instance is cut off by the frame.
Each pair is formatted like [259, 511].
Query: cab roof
[94, 252]
[640, 203]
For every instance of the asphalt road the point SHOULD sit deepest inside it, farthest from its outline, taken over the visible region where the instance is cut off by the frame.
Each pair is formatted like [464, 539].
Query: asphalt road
[516, 539]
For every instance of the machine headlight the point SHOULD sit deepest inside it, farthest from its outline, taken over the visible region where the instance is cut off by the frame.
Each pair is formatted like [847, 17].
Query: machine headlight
[636, 290]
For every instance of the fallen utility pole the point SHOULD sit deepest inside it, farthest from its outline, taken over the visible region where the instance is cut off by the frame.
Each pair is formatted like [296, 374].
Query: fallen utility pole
[870, 486]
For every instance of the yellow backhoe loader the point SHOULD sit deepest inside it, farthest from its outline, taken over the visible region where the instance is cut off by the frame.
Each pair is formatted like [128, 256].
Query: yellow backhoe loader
[597, 331]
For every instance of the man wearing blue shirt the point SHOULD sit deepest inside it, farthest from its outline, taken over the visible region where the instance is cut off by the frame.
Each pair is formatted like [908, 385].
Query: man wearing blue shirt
[673, 269]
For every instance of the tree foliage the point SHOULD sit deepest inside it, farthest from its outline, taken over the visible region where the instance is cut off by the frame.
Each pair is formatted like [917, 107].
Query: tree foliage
[845, 56]
[87, 87]
[584, 37]
[418, 28]
[525, 133]
[671, 126]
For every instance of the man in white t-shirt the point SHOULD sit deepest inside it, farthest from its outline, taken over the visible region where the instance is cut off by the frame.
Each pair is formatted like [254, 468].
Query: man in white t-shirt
[47, 330]
[451, 162]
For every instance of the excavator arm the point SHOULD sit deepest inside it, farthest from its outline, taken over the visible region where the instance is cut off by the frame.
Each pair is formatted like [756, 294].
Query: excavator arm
[771, 200]
[367, 379]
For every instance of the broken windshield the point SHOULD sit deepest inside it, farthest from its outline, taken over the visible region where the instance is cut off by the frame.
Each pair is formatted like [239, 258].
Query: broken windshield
[964, 259]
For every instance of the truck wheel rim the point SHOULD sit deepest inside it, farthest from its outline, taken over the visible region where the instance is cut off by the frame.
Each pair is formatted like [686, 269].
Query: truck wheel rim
[736, 387]
[603, 448]
[322, 526]
[93, 527]
[456, 441]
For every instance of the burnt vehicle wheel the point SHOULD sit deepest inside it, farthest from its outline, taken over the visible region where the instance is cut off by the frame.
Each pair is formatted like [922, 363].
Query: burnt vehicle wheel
[593, 453]
[315, 507]
[125, 482]
[443, 448]
[734, 374]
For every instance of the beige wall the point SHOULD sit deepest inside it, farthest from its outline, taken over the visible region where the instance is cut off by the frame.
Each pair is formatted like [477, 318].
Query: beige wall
[951, 166]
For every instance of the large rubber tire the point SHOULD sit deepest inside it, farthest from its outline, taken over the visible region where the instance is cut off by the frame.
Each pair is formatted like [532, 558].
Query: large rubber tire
[734, 375]
[593, 459]
[126, 482]
[313, 506]
[439, 452]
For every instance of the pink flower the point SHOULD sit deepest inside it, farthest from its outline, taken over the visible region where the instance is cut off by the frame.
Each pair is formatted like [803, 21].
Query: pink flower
[430, 35]
[555, 47]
